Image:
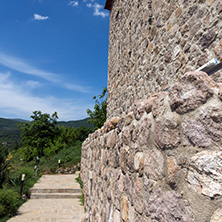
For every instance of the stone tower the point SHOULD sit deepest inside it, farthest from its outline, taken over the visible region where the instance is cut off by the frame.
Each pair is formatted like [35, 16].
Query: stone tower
[154, 42]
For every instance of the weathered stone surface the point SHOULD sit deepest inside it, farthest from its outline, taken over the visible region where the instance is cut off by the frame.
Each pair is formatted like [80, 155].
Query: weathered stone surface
[204, 130]
[116, 216]
[220, 92]
[158, 106]
[144, 132]
[139, 109]
[193, 90]
[123, 158]
[153, 164]
[205, 174]
[138, 195]
[138, 161]
[149, 103]
[124, 208]
[167, 134]
[172, 169]
[128, 118]
[217, 216]
[111, 139]
[111, 124]
[218, 50]
[169, 207]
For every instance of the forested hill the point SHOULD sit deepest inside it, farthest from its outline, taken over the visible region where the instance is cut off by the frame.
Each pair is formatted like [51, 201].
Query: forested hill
[76, 123]
[10, 133]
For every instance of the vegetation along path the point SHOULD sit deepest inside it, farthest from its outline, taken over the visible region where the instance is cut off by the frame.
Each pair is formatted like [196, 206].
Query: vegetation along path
[53, 198]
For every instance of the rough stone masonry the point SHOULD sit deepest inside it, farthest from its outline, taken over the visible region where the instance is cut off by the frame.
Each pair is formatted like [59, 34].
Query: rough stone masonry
[158, 157]
[152, 43]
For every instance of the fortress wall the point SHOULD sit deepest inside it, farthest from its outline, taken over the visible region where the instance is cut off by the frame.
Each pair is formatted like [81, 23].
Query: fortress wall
[161, 161]
[148, 56]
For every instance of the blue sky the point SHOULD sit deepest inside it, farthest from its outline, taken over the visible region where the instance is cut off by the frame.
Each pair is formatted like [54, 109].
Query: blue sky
[53, 56]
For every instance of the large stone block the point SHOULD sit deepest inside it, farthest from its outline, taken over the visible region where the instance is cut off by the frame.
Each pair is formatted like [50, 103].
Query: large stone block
[205, 174]
[153, 164]
[205, 130]
[169, 207]
[193, 90]
[167, 134]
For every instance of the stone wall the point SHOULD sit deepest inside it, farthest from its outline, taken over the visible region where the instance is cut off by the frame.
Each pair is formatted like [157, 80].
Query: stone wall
[162, 161]
[151, 46]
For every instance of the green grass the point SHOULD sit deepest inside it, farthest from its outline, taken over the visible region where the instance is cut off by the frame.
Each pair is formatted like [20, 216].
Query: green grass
[79, 180]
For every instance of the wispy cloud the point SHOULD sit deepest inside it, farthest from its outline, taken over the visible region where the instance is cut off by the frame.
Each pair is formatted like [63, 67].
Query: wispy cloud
[89, 5]
[32, 84]
[20, 65]
[74, 3]
[24, 67]
[18, 101]
[97, 10]
[40, 17]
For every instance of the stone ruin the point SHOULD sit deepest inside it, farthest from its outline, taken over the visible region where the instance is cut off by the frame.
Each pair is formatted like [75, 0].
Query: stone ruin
[158, 156]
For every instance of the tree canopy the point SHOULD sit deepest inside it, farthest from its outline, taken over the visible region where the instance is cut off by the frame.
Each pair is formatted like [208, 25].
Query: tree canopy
[98, 115]
[4, 163]
[39, 134]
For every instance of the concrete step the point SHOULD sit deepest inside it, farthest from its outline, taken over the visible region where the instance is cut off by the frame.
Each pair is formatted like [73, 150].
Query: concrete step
[63, 190]
[55, 195]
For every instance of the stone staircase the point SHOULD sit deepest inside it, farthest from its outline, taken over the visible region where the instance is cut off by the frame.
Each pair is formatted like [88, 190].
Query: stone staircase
[52, 188]
[55, 193]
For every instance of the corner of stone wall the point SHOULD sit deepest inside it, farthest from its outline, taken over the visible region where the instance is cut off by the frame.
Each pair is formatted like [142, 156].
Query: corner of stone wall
[162, 160]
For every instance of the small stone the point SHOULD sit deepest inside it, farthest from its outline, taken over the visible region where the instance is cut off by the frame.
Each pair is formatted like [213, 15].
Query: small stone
[124, 208]
[144, 131]
[138, 195]
[138, 161]
[172, 169]
[220, 92]
[218, 50]
[139, 109]
[167, 134]
[116, 216]
[124, 158]
[153, 164]
[149, 103]
[209, 2]
[111, 139]
[207, 38]
[217, 216]
[128, 118]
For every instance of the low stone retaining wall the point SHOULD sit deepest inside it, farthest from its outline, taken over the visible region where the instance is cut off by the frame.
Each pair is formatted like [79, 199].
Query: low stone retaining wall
[162, 161]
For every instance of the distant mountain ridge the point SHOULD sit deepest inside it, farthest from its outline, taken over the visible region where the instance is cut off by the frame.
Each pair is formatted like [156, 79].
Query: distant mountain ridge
[10, 132]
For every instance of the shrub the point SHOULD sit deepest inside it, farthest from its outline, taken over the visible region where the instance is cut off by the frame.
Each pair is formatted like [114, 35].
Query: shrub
[9, 202]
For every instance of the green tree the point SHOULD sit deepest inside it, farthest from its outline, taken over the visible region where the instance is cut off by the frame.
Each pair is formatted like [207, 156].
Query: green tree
[98, 115]
[39, 134]
[4, 163]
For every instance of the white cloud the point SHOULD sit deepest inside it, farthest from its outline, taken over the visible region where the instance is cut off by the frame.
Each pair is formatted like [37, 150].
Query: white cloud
[18, 102]
[40, 17]
[89, 5]
[97, 10]
[74, 3]
[22, 66]
[32, 84]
